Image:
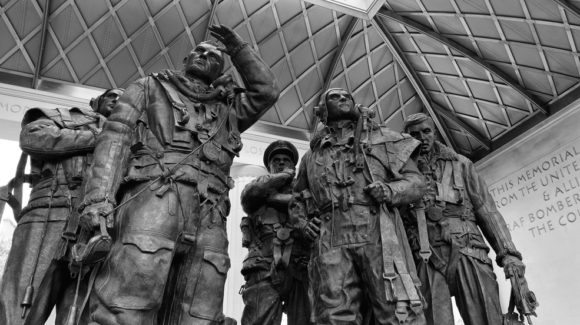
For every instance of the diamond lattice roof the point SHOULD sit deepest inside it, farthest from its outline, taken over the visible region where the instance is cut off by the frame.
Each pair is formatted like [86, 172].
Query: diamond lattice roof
[485, 70]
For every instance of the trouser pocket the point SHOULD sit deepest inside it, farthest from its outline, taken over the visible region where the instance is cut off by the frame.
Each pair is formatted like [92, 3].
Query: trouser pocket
[208, 296]
[134, 275]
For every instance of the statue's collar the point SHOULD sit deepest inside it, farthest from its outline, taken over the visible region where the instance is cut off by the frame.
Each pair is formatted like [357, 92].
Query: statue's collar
[338, 133]
[186, 85]
[441, 152]
[336, 127]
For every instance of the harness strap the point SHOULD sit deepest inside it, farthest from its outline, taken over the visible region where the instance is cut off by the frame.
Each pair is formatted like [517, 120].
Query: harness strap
[437, 261]
[282, 247]
[457, 176]
[393, 257]
[443, 187]
[91, 283]
[424, 247]
[389, 273]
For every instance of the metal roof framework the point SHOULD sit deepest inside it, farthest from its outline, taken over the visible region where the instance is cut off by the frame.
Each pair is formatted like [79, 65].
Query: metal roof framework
[485, 71]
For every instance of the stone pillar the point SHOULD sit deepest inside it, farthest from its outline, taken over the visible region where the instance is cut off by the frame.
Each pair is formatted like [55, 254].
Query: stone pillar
[233, 303]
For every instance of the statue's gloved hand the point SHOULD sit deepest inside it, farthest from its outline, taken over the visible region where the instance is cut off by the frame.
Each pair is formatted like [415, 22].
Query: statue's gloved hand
[232, 41]
[287, 175]
[291, 172]
[380, 191]
[91, 215]
[310, 229]
[513, 265]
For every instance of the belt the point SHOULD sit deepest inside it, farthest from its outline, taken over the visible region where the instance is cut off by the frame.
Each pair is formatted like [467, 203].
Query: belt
[168, 159]
[257, 277]
[328, 207]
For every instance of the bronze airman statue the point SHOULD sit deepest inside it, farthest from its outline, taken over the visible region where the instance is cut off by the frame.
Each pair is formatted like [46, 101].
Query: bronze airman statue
[160, 180]
[59, 143]
[347, 192]
[460, 216]
[275, 268]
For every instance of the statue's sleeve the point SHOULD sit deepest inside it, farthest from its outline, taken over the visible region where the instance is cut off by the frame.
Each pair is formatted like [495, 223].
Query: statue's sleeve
[261, 87]
[488, 218]
[265, 189]
[255, 194]
[43, 138]
[113, 144]
[408, 184]
[409, 187]
[302, 201]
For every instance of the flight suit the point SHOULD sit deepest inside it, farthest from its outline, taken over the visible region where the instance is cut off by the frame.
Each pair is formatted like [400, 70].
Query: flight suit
[353, 266]
[165, 155]
[460, 214]
[59, 143]
[275, 268]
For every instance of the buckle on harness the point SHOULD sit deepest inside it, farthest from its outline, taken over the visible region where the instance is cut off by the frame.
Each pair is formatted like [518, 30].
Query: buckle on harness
[283, 233]
[391, 277]
[425, 255]
[401, 311]
[69, 236]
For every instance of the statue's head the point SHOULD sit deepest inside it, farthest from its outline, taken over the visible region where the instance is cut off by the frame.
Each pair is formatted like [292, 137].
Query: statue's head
[421, 127]
[104, 103]
[336, 104]
[205, 62]
[279, 155]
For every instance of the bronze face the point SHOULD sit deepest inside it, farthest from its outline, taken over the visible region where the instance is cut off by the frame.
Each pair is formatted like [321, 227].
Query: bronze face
[424, 132]
[340, 106]
[205, 62]
[279, 162]
[108, 101]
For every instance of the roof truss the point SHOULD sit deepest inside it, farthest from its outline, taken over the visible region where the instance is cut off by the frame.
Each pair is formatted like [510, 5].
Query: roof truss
[388, 14]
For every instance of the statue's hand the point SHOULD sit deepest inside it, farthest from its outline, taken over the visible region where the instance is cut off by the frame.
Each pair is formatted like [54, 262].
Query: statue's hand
[290, 171]
[311, 229]
[283, 178]
[513, 265]
[232, 41]
[91, 215]
[380, 191]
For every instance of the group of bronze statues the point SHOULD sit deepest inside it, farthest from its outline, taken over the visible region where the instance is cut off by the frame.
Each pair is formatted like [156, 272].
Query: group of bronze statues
[126, 222]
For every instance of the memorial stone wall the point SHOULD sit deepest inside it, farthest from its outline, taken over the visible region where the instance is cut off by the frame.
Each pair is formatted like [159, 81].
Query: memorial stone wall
[535, 182]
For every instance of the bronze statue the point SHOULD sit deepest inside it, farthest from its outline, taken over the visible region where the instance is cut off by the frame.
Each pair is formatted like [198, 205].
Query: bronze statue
[160, 179]
[460, 213]
[275, 268]
[59, 143]
[348, 188]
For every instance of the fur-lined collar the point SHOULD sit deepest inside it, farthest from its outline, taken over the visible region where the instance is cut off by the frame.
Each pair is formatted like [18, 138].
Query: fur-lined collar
[443, 152]
[184, 84]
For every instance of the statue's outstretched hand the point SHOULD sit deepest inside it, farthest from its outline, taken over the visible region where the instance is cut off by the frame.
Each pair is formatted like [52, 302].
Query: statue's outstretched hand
[230, 39]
